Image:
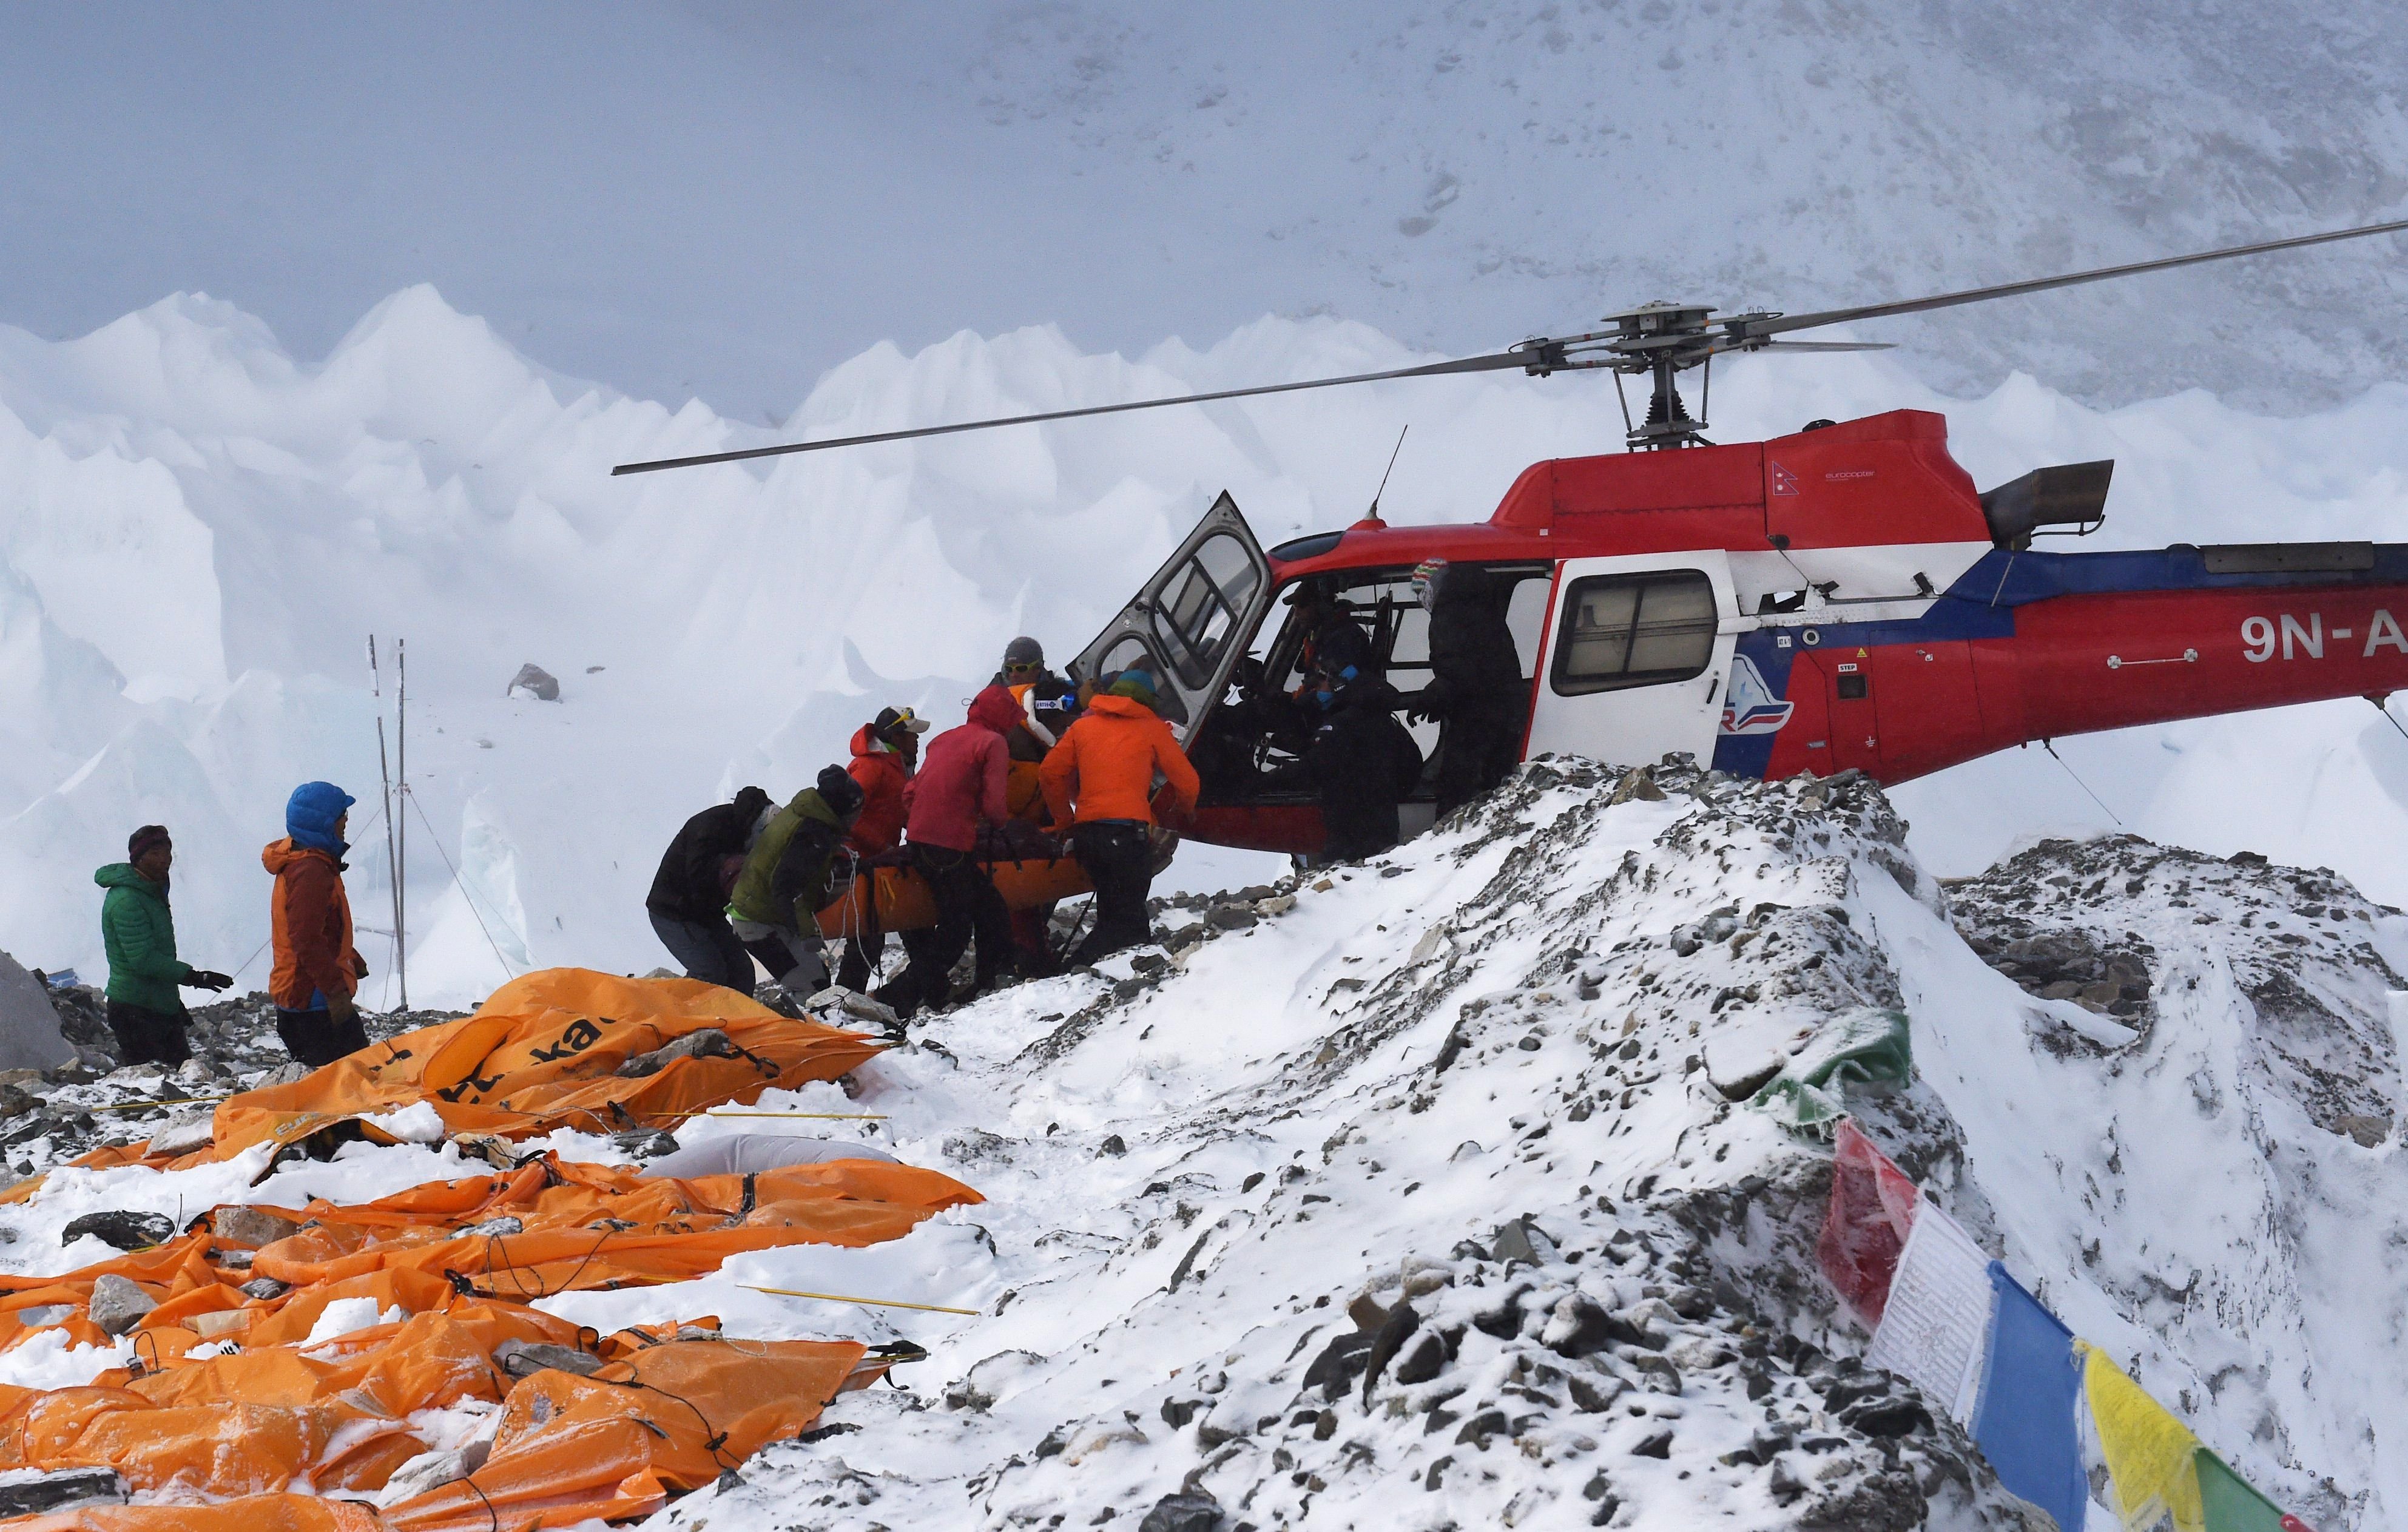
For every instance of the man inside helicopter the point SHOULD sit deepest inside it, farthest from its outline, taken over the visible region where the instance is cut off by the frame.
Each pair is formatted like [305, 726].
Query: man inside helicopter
[1253, 751]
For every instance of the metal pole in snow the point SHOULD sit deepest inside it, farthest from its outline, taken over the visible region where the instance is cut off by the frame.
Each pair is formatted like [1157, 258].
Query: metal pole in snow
[392, 859]
[398, 828]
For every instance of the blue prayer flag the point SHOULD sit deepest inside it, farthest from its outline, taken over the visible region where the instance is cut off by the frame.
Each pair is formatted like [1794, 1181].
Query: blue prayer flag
[2025, 1420]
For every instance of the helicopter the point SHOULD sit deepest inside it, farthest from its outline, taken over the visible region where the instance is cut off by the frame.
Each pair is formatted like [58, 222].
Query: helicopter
[1840, 598]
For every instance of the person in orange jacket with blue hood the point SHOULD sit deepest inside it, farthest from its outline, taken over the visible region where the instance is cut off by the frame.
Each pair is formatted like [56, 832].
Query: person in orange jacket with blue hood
[317, 970]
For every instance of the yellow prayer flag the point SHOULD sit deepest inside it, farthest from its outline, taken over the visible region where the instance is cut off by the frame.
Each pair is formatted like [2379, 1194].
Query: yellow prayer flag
[2149, 1453]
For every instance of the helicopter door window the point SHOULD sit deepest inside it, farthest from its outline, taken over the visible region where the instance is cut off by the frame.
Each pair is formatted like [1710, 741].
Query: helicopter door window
[1135, 652]
[1636, 630]
[1198, 608]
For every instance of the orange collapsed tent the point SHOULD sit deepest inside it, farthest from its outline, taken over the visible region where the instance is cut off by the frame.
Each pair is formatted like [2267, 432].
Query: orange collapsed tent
[548, 1051]
[655, 1414]
[548, 1226]
[562, 1048]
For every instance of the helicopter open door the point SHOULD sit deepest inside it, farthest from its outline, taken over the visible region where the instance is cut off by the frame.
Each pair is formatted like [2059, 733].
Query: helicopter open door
[1190, 624]
[1639, 654]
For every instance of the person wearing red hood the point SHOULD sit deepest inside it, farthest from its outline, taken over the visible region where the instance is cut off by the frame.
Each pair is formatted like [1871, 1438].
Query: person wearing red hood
[959, 787]
[885, 753]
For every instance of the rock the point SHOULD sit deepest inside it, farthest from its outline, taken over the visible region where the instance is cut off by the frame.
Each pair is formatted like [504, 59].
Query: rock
[117, 1305]
[1189, 1510]
[1230, 917]
[1578, 1326]
[185, 1135]
[1638, 783]
[430, 1470]
[31, 1034]
[992, 1378]
[1401, 1324]
[1594, 1393]
[855, 1006]
[1656, 1375]
[494, 1226]
[1423, 1360]
[1659, 1445]
[125, 1230]
[1278, 904]
[253, 1227]
[47, 1313]
[1100, 1436]
[535, 683]
[265, 1289]
[1888, 1417]
[524, 1358]
[2366, 1132]
[1337, 1363]
[1522, 1241]
[703, 1042]
[1113, 1146]
[23, 1496]
[645, 1143]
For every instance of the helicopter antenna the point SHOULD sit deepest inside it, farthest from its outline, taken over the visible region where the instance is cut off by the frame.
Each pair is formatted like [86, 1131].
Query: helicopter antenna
[1657, 340]
[1373, 514]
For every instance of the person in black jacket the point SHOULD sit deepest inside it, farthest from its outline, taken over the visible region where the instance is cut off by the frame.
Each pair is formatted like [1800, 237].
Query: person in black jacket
[688, 903]
[1361, 762]
[1476, 691]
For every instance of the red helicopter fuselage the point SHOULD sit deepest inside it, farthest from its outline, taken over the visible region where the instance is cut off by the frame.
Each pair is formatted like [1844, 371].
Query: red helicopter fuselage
[1836, 599]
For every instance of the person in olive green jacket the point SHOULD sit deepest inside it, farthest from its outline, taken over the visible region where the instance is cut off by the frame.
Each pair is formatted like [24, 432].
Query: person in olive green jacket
[775, 905]
[139, 932]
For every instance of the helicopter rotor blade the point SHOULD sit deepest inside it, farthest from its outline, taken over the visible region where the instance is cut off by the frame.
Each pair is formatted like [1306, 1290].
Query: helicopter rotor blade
[1822, 346]
[1783, 323]
[1533, 356]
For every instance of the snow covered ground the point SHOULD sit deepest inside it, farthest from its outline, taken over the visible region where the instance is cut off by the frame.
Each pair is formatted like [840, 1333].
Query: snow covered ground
[1496, 1079]
[198, 532]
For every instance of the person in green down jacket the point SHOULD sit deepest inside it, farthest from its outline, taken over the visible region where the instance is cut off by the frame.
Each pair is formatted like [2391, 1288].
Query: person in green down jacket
[774, 908]
[144, 972]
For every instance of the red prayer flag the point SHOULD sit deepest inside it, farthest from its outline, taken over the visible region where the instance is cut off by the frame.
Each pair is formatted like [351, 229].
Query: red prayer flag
[1872, 1207]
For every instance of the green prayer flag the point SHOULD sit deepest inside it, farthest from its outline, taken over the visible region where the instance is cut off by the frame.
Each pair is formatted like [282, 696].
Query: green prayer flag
[2231, 1504]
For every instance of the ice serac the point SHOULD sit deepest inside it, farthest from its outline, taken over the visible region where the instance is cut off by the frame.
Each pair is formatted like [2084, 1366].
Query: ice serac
[198, 530]
[1415, 1196]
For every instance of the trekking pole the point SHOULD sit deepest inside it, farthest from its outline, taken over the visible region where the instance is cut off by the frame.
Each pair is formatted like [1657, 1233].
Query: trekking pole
[818, 1116]
[871, 1303]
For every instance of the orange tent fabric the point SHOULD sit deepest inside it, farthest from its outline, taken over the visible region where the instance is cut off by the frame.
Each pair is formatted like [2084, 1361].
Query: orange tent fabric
[616, 1445]
[905, 904]
[580, 1226]
[665, 1416]
[542, 1052]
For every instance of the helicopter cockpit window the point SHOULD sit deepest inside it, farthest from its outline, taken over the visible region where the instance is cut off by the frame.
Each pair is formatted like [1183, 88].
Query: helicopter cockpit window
[1250, 744]
[1198, 608]
[1634, 630]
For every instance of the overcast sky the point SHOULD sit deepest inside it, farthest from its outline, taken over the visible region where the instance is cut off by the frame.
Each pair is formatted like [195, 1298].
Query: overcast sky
[726, 199]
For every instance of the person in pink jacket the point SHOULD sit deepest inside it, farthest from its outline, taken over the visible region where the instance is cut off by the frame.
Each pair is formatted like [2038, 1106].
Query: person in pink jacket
[959, 787]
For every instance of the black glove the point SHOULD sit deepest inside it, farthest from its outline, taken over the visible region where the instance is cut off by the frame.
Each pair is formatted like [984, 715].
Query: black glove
[202, 979]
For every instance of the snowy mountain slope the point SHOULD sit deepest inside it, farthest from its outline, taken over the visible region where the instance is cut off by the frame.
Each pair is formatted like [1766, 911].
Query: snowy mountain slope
[1495, 1078]
[199, 531]
[1202, 1177]
[722, 201]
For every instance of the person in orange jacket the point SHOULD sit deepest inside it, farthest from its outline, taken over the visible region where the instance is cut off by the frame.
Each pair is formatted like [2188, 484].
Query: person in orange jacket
[1099, 779]
[317, 970]
[885, 753]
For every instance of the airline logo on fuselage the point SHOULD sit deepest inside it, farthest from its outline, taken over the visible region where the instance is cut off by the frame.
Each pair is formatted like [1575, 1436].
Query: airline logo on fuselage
[1749, 707]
